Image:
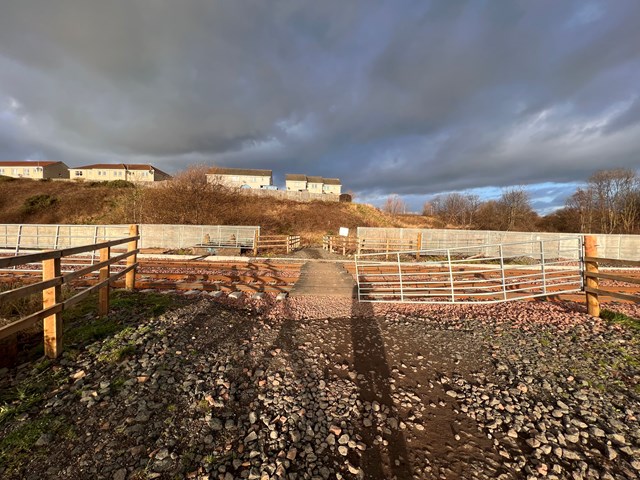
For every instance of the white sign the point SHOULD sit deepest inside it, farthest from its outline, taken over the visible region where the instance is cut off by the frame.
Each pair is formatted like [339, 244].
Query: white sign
[344, 232]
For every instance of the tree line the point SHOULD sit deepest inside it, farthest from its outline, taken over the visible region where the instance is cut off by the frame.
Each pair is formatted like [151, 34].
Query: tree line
[608, 203]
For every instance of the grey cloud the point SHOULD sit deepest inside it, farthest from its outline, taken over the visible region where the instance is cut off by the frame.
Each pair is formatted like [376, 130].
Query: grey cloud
[410, 97]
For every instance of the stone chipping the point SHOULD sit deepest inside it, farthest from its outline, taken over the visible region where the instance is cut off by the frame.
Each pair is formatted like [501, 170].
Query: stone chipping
[323, 388]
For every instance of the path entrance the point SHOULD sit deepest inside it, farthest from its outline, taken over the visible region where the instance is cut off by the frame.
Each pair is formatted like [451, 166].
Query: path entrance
[324, 277]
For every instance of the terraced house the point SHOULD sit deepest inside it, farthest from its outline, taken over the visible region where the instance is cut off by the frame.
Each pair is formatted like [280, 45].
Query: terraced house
[241, 178]
[34, 169]
[131, 172]
[311, 184]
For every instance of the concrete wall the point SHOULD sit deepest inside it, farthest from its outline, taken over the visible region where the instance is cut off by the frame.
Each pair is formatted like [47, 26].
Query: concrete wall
[625, 247]
[296, 196]
[29, 236]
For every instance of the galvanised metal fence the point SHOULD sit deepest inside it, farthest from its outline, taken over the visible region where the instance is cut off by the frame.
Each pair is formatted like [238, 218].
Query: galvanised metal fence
[477, 274]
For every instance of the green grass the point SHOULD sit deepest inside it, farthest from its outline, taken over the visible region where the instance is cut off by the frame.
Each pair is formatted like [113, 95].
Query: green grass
[621, 319]
[21, 398]
[17, 447]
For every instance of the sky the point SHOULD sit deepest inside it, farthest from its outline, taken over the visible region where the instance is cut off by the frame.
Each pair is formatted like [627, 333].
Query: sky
[403, 97]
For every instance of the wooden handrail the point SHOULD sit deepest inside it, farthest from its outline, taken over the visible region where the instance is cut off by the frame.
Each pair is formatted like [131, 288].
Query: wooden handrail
[609, 293]
[613, 261]
[53, 279]
[611, 276]
[53, 254]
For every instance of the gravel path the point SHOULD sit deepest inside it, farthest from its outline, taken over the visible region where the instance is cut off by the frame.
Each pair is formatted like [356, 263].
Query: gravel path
[274, 390]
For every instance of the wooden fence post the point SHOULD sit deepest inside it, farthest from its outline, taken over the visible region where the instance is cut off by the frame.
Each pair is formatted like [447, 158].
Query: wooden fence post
[387, 250]
[103, 293]
[288, 241]
[130, 279]
[419, 246]
[50, 297]
[591, 250]
[256, 239]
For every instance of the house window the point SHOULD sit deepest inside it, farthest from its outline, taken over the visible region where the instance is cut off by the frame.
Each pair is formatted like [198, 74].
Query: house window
[1, 171]
[78, 173]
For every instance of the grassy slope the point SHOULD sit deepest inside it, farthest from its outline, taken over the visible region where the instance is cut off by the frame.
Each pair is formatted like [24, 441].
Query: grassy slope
[74, 203]
[90, 203]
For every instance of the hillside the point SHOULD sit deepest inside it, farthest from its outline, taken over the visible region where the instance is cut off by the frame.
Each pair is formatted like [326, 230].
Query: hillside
[29, 201]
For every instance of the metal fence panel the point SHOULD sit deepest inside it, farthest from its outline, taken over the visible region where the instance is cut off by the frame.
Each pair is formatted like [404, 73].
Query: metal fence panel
[490, 273]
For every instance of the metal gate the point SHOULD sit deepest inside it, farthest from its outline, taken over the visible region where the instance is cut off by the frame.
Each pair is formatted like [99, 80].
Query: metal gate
[475, 274]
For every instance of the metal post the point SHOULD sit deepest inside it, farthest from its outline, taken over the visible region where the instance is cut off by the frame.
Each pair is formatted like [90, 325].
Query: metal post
[104, 273]
[544, 277]
[55, 246]
[453, 295]
[95, 240]
[400, 278]
[18, 239]
[357, 278]
[504, 283]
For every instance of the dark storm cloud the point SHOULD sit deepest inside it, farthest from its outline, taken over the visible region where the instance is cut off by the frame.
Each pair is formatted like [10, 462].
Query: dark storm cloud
[409, 97]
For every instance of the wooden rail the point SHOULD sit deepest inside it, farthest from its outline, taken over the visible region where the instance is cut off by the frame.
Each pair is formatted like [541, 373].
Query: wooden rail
[287, 243]
[592, 276]
[358, 245]
[53, 279]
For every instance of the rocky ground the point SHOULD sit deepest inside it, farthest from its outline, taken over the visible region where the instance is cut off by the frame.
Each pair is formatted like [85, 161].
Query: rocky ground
[274, 390]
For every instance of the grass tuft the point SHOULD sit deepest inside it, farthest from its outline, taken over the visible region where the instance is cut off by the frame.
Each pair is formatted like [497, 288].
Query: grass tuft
[621, 319]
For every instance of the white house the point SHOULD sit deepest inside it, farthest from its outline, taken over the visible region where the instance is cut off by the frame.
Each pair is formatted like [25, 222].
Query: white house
[33, 169]
[304, 183]
[241, 177]
[131, 172]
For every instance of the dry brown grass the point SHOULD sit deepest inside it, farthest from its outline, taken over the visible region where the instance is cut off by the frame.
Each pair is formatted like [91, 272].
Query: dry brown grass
[186, 201]
[71, 202]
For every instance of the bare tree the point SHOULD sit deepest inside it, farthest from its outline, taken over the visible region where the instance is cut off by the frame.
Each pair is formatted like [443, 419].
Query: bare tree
[455, 208]
[394, 205]
[188, 198]
[515, 210]
[614, 193]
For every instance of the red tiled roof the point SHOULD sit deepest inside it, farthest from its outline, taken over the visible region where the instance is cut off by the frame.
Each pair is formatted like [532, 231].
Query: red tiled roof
[119, 166]
[27, 163]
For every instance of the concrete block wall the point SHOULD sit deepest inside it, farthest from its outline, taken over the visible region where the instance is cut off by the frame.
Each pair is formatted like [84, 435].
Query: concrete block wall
[32, 236]
[626, 247]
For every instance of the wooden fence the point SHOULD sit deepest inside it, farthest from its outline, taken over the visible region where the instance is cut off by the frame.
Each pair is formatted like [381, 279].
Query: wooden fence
[351, 245]
[53, 279]
[286, 243]
[593, 275]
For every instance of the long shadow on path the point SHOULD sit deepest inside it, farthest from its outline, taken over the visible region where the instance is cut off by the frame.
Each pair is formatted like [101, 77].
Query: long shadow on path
[370, 363]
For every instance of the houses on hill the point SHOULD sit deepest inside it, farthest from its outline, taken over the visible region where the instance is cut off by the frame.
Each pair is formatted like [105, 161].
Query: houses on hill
[131, 172]
[34, 170]
[47, 170]
[297, 186]
[263, 180]
[241, 178]
[304, 183]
